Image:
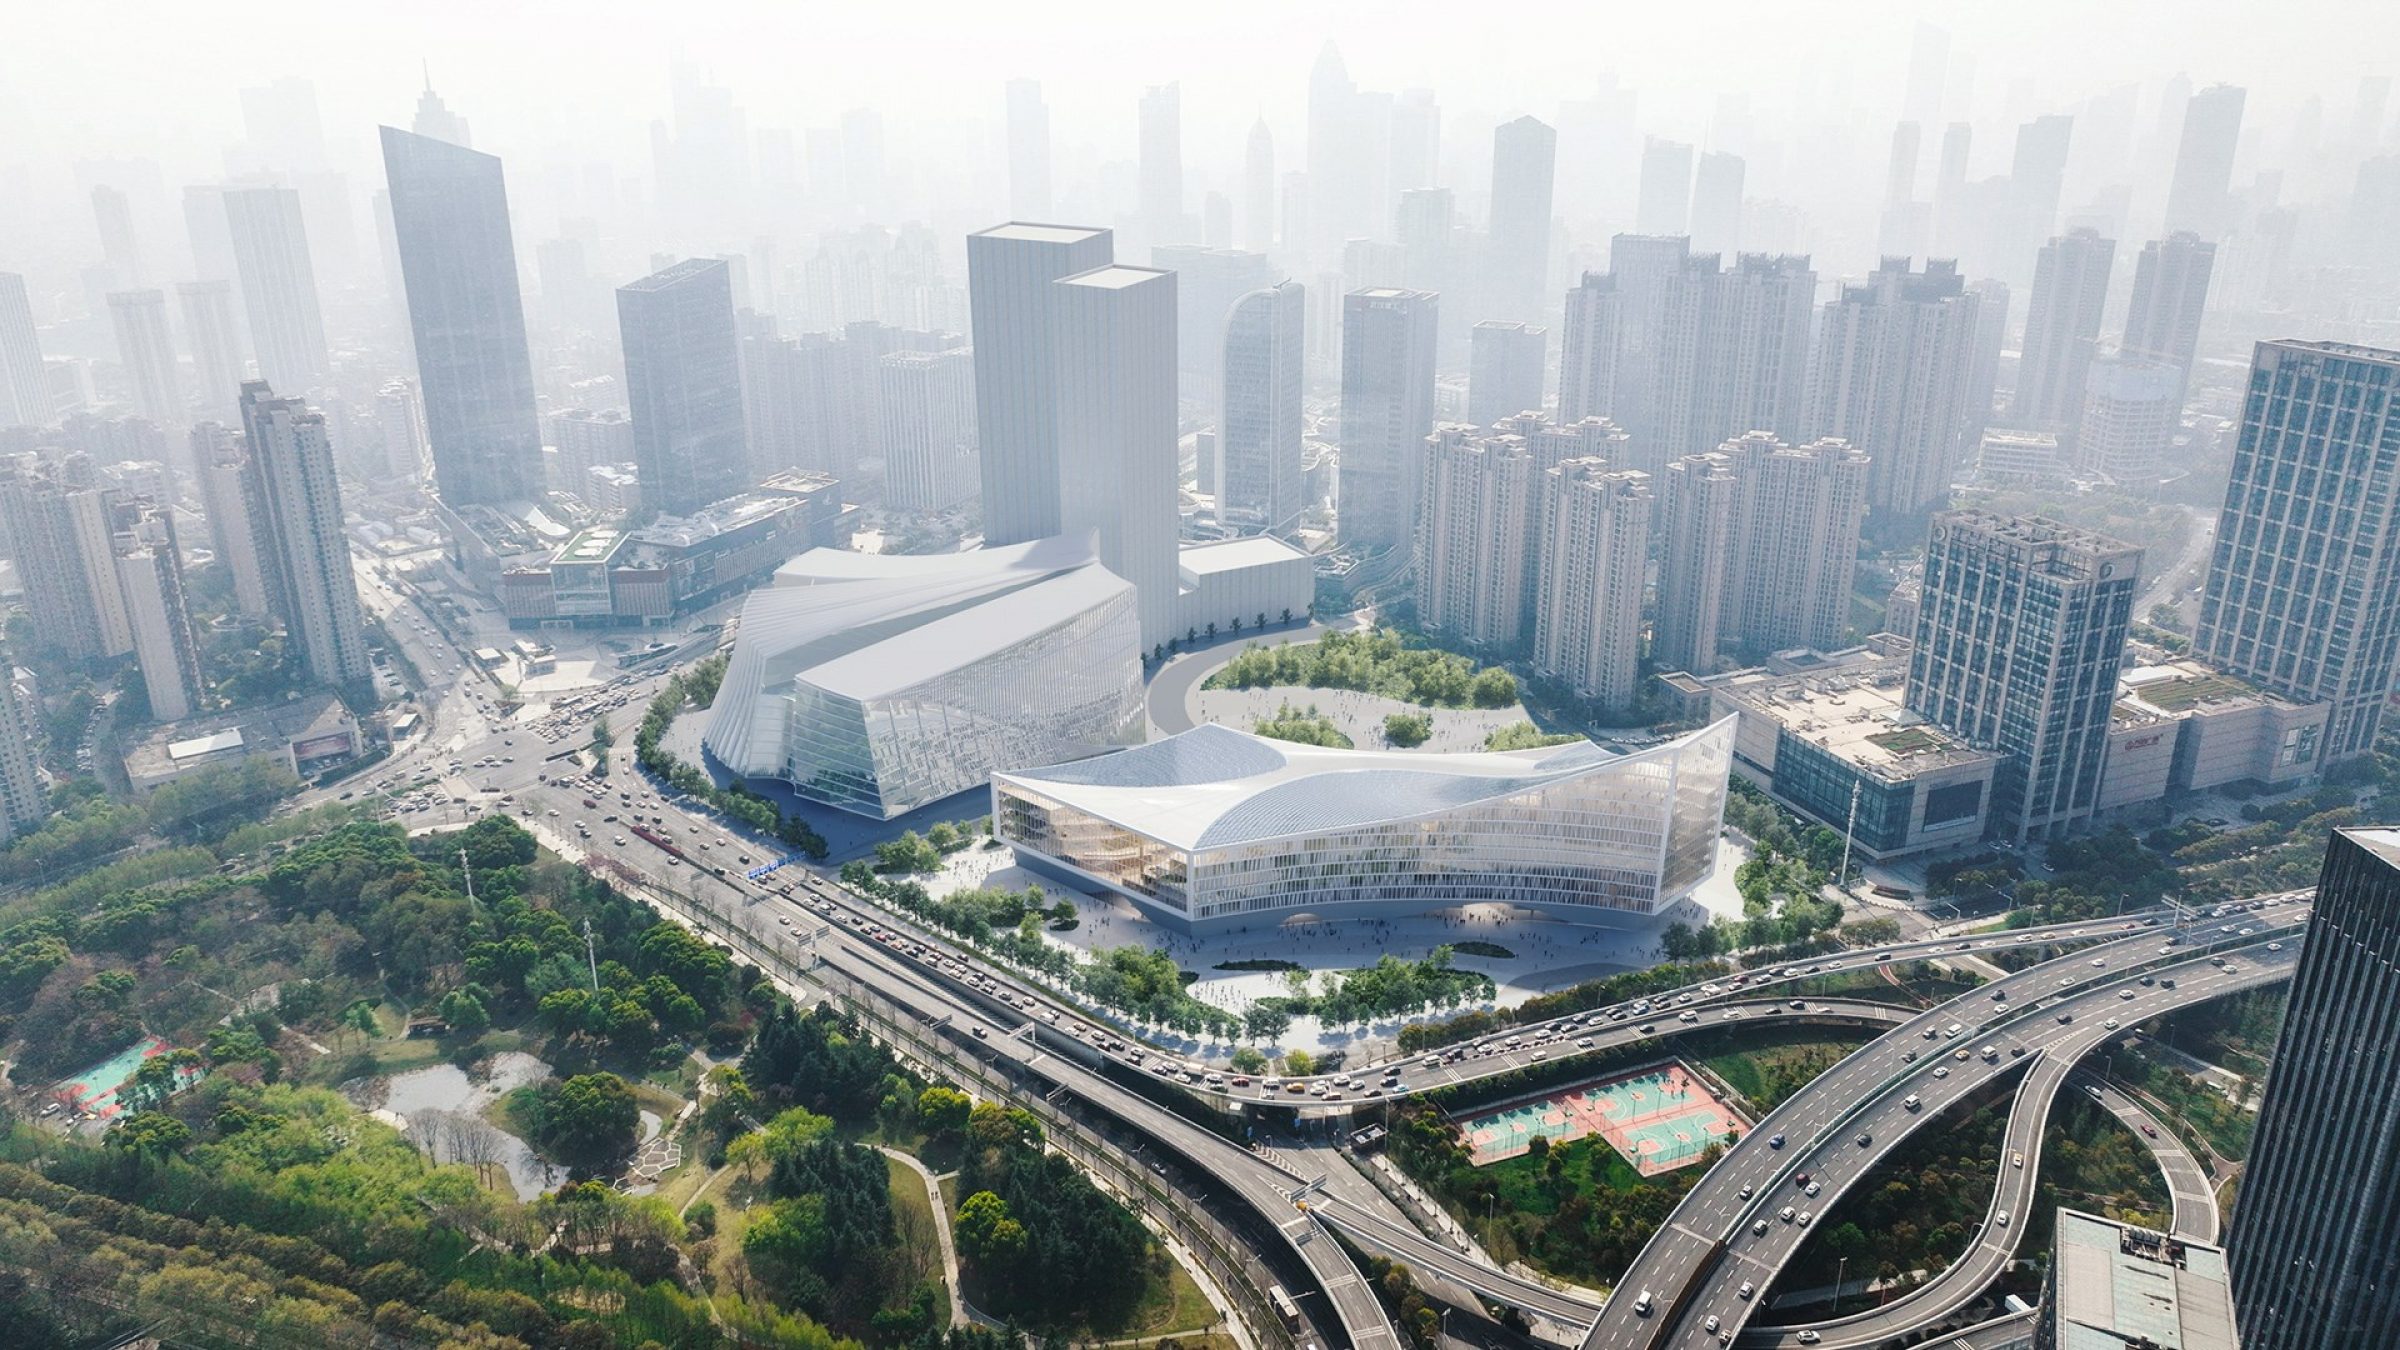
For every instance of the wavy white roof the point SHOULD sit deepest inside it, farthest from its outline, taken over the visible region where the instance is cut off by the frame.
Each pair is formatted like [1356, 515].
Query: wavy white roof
[866, 626]
[1212, 786]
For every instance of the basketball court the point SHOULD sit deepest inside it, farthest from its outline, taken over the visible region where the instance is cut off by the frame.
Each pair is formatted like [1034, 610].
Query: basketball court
[1658, 1118]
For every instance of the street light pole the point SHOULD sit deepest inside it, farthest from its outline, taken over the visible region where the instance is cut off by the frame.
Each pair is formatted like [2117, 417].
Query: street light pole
[1840, 1272]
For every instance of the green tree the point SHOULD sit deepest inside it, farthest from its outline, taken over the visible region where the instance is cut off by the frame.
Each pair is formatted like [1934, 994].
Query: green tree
[587, 1121]
[943, 1110]
[986, 1234]
[463, 1009]
[152, 1134]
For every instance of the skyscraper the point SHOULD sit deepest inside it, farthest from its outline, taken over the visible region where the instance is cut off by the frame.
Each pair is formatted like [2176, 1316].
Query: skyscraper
[1258, 189]
[926, 410]
[1387, 412]
[2315, 1242]
[1664, 206]
[118, 251]
[1891, 377]
[1594, 550]
[1162, 164]
[1011, 303]
[2300, 589]
[459, 267]
[435, 119]
[1759, 544]
[1508, 362]
[1524, 169]
[2170, 295]
[2062, 325]
[216, 341]
[1259, 487]
[294, 492]
[2200, 197]
[2036, 177]
[150, 571]
[683, 380]
[1028, 151]
[1474, 536]
[279, 285]
[1717, 204]
[1114, 330]
[148, 356]
[2019, 641]
[1207, 282]
[24, 389]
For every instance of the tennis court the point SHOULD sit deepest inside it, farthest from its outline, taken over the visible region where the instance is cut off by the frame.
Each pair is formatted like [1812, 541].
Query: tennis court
[1658, 1118]
[95, 1089]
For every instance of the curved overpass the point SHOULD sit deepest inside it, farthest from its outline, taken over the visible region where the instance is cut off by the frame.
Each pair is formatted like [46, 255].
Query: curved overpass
[1710, 1232]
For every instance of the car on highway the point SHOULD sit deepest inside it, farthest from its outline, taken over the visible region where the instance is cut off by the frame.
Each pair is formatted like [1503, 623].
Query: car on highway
[2016, 1160]
[1809, 1337]
[1805, 1216]
[2003, 1220]
[1865, 1139]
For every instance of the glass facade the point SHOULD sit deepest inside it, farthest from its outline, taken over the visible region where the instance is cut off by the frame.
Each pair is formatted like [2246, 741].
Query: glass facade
[1577, 833]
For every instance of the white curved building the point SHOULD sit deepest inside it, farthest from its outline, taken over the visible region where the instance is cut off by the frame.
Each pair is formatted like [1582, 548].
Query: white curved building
[1218, 829]
[878, 684]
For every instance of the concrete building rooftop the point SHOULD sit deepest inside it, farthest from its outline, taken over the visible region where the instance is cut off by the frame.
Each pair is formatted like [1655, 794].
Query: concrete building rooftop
[1856, 715]
[1032, 233]
[1114, 277]
[2118, 1286]
[1233, 555]
[668, 276]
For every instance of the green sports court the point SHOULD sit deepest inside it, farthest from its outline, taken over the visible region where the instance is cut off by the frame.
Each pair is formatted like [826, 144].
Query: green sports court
[1658, 1118]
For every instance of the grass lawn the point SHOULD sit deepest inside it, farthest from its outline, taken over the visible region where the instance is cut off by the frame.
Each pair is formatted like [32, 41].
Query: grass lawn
[1767, 1073]
[919, 1231]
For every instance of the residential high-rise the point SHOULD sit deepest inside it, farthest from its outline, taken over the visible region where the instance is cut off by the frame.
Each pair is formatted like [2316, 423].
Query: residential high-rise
[1260, 424]
[1028, 151]
[2200, 197]
[2299, 597]
[1587, 347]
[1758, 549]
[402, 426]
[1754, 372]
[1717, 204]
[2131, 410]
[1508, 362]
[1524, 170]
[927, 422]
[23, 804]
[1114, 335]
[1891, 377]
[683, 380]
[1387, 412]
[2315, 1241]
[2019, 640]
[216, 342]
[24, 387]
[2062, 327]
[148, 355]
[1010, 269]
[459, 267]
[1661, 293]
[1207, 282]
[279, 285]
[1474, 536]
[1594, 551]
[2170, 295]
[1664, 206]
[294, 493]
[64, 545]
[113, 214]
[234, 523]
[1161, 187]
[150, 572]
[1258, 189]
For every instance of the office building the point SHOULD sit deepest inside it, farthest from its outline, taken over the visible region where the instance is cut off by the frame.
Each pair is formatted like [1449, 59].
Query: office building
[683, 378]
[2200, 198]
[1892, 377]
[294, 492]
[1028, 151]
[459, 268]
[2132, 409]
[1717, 204]
[400, 429]
[150, 572]
[1524, 170]
[2036, 177]
[926, 417]
[24, 386]
[1507, 365]
[222, 462]
[2307, 561]
[1161, 172]
[434, 118]
[1207, 282]
[2170, 295]
[1759, 547]
[877, 684]
[216, 341]
[1010, 269]
[279, 286]
[1117, 434]
[1474, 534]
[1664, 206]
[1216, 830]
[112, 214]
[2113, 1285]
[148, 355]
[2019, 642]
[1260, 425]
[1388, 347]
[1594, 550]
[2062, 329]
[2315, 1242]
[1258, 189]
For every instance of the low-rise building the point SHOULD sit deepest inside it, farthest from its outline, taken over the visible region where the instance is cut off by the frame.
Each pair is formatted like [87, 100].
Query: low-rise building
[2180, 726]
[2113, 1286]
[309, 735]
[1232, 582]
